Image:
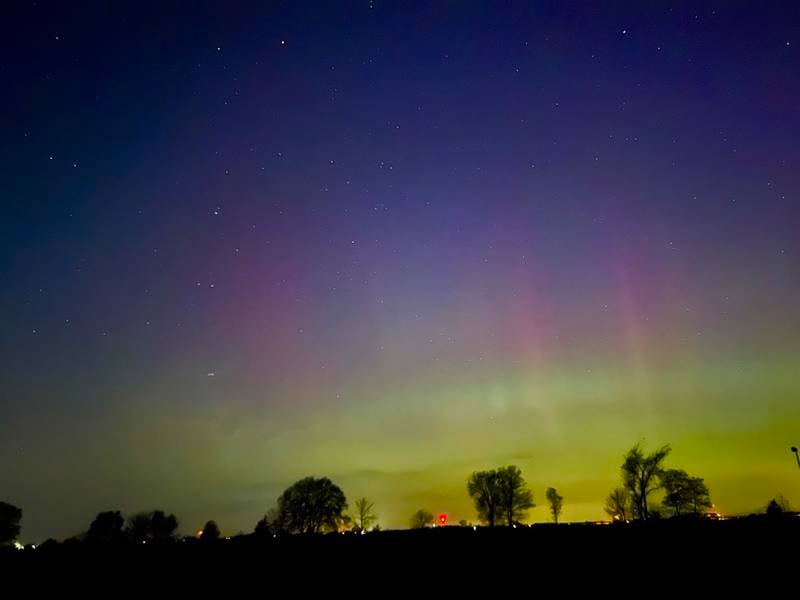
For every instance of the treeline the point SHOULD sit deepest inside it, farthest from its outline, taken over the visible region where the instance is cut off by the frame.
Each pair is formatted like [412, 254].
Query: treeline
[501, 497]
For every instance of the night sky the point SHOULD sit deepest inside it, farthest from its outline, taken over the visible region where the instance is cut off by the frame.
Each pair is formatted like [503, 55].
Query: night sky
[393, 243]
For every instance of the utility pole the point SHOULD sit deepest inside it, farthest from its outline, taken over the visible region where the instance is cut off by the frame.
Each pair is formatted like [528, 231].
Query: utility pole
[797, 457]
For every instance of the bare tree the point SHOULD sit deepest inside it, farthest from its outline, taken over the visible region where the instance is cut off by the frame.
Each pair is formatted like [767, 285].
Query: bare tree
[556, 502]
[640, 475]
[364, 515]
[618, 504]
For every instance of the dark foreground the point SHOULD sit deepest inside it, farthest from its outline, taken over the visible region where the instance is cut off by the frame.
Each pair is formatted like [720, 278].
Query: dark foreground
[667, 558]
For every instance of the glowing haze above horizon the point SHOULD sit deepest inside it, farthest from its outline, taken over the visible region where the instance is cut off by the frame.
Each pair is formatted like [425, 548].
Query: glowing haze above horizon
[393, 244]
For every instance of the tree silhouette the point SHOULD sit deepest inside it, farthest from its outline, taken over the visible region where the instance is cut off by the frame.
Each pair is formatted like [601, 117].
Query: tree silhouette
[699, 496]
[640, 475]
[210, 532]
[311, 506]
[676, 485]
[364, 515]
[421, 519]
[138, 528]
[514, 498]
[774, 509]
[10, 517]
[618, 504]
[270, 523]
[163, 526]
[263, 528]
[556, 502]
[484, 489]
[155, 526]
[684, 494]
[106, 528]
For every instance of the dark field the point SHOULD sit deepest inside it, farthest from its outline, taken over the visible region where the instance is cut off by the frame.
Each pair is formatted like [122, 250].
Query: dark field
[666, 557]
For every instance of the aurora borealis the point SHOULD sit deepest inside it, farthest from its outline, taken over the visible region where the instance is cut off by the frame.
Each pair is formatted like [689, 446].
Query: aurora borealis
[391, 244]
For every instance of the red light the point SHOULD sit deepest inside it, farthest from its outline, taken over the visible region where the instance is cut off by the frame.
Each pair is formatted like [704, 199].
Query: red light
[443, 518]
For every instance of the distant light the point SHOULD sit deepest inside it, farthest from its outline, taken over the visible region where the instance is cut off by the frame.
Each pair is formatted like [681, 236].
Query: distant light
[514, 526]
[144, 541]
[18, 546]
[33, 546]
[199, 532]
[474, 528]
[443, 519]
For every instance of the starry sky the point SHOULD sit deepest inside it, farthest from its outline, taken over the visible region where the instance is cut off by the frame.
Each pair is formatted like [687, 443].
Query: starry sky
[392, 243]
